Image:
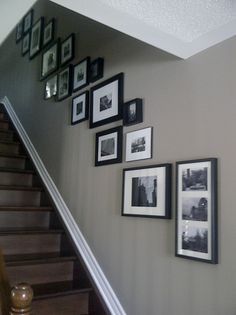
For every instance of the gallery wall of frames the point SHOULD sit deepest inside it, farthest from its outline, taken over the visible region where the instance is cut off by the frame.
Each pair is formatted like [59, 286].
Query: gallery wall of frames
[147, 190]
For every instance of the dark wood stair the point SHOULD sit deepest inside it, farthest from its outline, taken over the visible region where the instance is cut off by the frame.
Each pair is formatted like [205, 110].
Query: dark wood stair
[36, 245]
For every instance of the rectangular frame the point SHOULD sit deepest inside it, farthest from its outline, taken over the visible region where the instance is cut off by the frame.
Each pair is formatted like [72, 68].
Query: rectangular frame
[19, 31]
[36, 37]
[49, 32]
[133, 112]
[69, 44]
[50, 56]
[81, 74]
[84, 110]
[25, 47]
[106, 101]
[96, 69]
[51, 85]
[64, 88]
[112, 140]
[28, 21]
[196, 210]
[147, 191]
[139, 144]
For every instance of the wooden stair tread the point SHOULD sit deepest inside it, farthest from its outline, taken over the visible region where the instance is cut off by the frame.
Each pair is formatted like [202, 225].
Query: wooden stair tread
[23, 231]
[26, 208]
[10, 142]
[22, 188]
[16, 170]
[7, 131]
[14, 156]
[42, 291]
[38, 258]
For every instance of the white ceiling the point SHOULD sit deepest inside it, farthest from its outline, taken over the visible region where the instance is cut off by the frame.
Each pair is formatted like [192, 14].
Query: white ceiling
[180, 27]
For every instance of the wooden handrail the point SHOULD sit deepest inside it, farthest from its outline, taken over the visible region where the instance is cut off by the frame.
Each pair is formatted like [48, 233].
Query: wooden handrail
[15, 301]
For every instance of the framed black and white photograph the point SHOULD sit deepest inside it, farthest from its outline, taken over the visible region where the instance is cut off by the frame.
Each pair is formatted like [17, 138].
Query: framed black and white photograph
[139, 144]
[80, 106]
[196, 210]
[36, 37]
[147, 191]
[48, 33]
[106, 101]
[80, 76]
[64, 83]
[67, 49]
[50, 60]
[25, 44]
[19, 31]
[133, 112]
[28, 21]
[96, 70]
[50, 88]
[109, 146]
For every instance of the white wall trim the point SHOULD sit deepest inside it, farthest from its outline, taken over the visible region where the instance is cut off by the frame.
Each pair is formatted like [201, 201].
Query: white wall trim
[89, 259]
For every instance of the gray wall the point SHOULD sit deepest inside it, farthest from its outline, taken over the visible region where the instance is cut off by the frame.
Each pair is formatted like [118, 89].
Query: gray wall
[192, 106]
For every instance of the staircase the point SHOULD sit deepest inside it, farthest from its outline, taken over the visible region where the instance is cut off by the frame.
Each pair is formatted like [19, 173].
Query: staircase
[36, 247]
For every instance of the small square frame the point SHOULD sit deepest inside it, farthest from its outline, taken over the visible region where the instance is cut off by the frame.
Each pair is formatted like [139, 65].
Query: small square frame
[82, 115]
[96, 69]
[36, 35]
[147, 191]
[133, 112]
[64, 83]
[67, 49]
[81, 74]
[110, 139]
[106, 101]
[139, 144]
[50, 88]
[196, 210]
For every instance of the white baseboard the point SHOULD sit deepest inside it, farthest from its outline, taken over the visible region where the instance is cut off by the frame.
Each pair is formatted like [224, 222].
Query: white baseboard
[89, 259]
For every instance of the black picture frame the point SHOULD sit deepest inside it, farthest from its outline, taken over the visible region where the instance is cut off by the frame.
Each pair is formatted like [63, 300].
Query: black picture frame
[133, 112]
[36, 35]
[139, 144]
[64, 83]
[19, 31]
[28, 21]
[96, 70]
[81, 74]
[50, 59]
[80, 108]
[49, 32]
[25, 46]
[147, 191]
[67, 50]
[196, 210]
[106, 101]
[50, 89]
[108, 148]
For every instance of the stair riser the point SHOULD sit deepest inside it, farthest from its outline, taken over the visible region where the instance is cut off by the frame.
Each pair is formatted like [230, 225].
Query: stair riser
[19, 198]
[4, 125]
[24, 219]
[15, 179]
[9, 148]
[29, 244]
[6, 136]
[69, 305]
[42, 273]
[12, 163]
[2, 115]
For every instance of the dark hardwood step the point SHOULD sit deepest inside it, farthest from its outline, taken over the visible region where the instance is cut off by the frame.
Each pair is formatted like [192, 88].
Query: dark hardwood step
[12, 155]
[41, 258]
[16, 170]
[10, 142]
[26, 209]
[57, 289]
[29, 231]
[21, 188]
[75, 304]
[4, 119]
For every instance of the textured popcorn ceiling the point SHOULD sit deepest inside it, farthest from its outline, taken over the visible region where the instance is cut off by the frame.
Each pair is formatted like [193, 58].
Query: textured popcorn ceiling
[184, 19]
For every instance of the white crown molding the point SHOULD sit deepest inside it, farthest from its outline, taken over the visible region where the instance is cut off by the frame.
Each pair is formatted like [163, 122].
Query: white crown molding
[89, 259]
